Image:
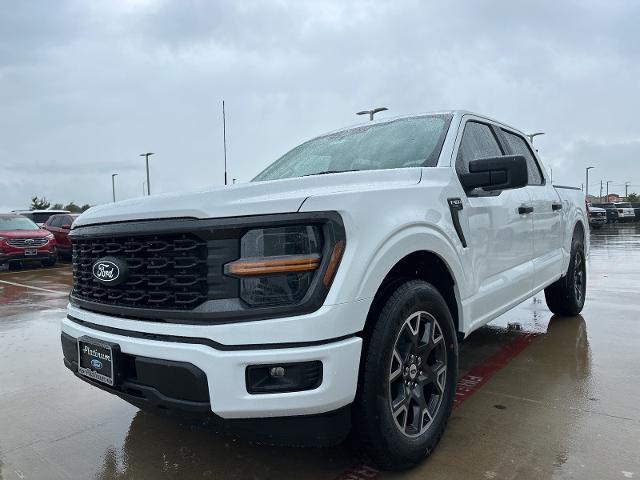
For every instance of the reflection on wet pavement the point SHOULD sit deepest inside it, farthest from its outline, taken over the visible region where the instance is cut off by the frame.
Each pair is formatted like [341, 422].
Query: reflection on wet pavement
[563, 406]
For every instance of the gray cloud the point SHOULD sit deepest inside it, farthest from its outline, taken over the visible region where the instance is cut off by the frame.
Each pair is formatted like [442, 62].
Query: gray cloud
[86, 86]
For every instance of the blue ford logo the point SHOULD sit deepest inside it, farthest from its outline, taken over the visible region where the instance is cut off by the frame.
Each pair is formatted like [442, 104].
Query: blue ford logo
[97, 364]
[110, 271]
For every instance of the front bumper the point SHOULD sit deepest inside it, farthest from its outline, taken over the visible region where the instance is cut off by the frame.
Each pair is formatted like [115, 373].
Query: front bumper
[19, 255]
[598, 220]
[225, 371]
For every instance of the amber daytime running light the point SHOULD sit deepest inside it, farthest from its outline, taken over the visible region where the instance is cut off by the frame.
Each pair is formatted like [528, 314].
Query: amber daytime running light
[283, 264]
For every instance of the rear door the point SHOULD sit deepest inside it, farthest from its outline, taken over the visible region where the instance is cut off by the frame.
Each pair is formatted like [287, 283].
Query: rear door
[500, 230]
[547, 214]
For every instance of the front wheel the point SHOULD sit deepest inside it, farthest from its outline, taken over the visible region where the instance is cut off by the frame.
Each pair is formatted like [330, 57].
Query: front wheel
[566, 296]
[49, 262]
[408, 378]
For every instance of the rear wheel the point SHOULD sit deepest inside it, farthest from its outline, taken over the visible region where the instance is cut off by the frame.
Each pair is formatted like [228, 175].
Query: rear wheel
[566, 296]
[408, 378]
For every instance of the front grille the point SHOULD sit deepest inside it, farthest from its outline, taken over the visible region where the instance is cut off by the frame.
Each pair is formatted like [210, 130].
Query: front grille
[164, 271]
[28, 242]
[598, 214]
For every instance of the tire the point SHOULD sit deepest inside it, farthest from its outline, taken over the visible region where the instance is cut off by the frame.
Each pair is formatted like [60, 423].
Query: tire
[400, 441]
[566, 296]
[50, 262]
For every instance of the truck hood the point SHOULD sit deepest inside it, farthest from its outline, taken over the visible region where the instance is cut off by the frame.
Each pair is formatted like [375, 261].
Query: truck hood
[255, 198]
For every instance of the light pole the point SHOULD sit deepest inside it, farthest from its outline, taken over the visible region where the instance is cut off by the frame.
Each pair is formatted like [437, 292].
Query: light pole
[531, 135]
[146, 156]
[608, 182]
[372, 112]
[113, 185]
[626, 190]
[586, 183]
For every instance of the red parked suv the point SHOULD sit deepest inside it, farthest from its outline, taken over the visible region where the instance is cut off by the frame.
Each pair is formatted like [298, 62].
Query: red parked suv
[21, 239]
[60, 225]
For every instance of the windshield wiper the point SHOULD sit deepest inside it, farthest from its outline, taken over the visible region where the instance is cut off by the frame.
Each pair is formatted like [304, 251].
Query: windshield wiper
[331, 171]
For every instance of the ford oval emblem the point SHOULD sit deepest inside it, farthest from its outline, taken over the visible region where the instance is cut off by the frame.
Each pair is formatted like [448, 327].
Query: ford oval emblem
[97, 364]
[110, 271]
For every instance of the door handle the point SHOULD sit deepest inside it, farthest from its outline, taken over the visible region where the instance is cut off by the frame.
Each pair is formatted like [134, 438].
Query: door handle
[525, 210]
[556, 206]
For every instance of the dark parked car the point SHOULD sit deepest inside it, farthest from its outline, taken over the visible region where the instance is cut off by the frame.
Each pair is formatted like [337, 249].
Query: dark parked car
[21, 240]
[612, 212]
[636, 209]
[60, 225]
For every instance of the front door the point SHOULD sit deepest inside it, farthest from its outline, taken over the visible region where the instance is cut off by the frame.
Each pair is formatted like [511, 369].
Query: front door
[500, 232]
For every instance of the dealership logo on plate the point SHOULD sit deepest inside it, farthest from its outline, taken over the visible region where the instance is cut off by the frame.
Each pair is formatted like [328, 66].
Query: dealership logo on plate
[110, 271]
[97, 364]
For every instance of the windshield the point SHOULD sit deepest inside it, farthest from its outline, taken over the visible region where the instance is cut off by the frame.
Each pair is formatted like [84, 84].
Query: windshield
[402, 143]
[17, 223]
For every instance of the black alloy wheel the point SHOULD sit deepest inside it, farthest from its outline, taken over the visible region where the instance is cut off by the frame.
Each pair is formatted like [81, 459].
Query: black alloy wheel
[417, 374]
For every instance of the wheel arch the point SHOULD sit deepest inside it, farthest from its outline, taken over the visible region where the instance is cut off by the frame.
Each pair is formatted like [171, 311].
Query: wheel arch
[419, 265]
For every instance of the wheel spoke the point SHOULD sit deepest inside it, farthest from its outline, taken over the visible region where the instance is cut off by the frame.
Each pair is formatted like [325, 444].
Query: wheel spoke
[396, 365]
[436, 335]
[429, 418]
[401, 415]
[441, 379]
[400, 402]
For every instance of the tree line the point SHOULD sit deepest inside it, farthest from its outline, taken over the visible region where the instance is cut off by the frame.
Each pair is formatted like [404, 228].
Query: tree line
[38, 203]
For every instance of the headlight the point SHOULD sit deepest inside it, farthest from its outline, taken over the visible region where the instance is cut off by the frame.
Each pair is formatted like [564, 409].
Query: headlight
[279, 265]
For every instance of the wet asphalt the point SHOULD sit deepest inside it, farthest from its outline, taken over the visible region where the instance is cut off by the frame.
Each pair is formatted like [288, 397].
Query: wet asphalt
[539, 397]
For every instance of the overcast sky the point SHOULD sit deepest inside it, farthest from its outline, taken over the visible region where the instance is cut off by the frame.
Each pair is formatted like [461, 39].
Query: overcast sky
[86, 86]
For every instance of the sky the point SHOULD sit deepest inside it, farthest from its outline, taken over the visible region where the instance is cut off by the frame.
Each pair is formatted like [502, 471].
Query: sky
[85, 87]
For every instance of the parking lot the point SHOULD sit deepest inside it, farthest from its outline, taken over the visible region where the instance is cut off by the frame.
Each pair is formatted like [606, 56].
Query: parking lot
[538, 396]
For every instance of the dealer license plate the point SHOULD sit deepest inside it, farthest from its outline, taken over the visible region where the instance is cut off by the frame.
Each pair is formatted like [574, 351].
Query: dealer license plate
[95, 360]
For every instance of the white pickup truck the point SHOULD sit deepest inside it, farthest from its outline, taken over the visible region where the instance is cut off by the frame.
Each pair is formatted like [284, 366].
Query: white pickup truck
[330, 293]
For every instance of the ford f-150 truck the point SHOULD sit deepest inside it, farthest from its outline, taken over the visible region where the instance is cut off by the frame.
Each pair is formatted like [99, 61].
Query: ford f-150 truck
[330, 293]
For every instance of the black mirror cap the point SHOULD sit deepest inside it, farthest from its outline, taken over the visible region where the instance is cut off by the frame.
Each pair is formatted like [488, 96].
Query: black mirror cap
[496, 173]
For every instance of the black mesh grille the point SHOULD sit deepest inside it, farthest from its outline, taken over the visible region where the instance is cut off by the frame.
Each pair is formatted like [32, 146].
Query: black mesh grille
[165, 271]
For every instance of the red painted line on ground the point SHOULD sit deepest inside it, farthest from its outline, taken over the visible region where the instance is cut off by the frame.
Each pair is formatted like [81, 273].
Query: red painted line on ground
[478, 376]
[467, 386]
[360, 472]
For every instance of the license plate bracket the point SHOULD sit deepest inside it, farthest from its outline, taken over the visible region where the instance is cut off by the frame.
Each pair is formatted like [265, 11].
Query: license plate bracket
[31, 252]
[98, 360]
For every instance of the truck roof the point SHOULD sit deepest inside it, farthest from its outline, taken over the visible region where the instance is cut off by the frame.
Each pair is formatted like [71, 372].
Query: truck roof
[454, 114]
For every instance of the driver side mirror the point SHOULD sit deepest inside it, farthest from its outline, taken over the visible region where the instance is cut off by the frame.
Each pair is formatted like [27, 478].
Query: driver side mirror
[496, 173]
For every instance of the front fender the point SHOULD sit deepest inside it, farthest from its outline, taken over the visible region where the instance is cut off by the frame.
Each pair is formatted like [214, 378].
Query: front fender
[404, 242]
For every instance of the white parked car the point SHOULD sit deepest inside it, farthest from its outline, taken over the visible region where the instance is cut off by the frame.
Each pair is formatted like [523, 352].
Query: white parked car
[597, 216]
[331, 292]
[39, 217]
[626, 213]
